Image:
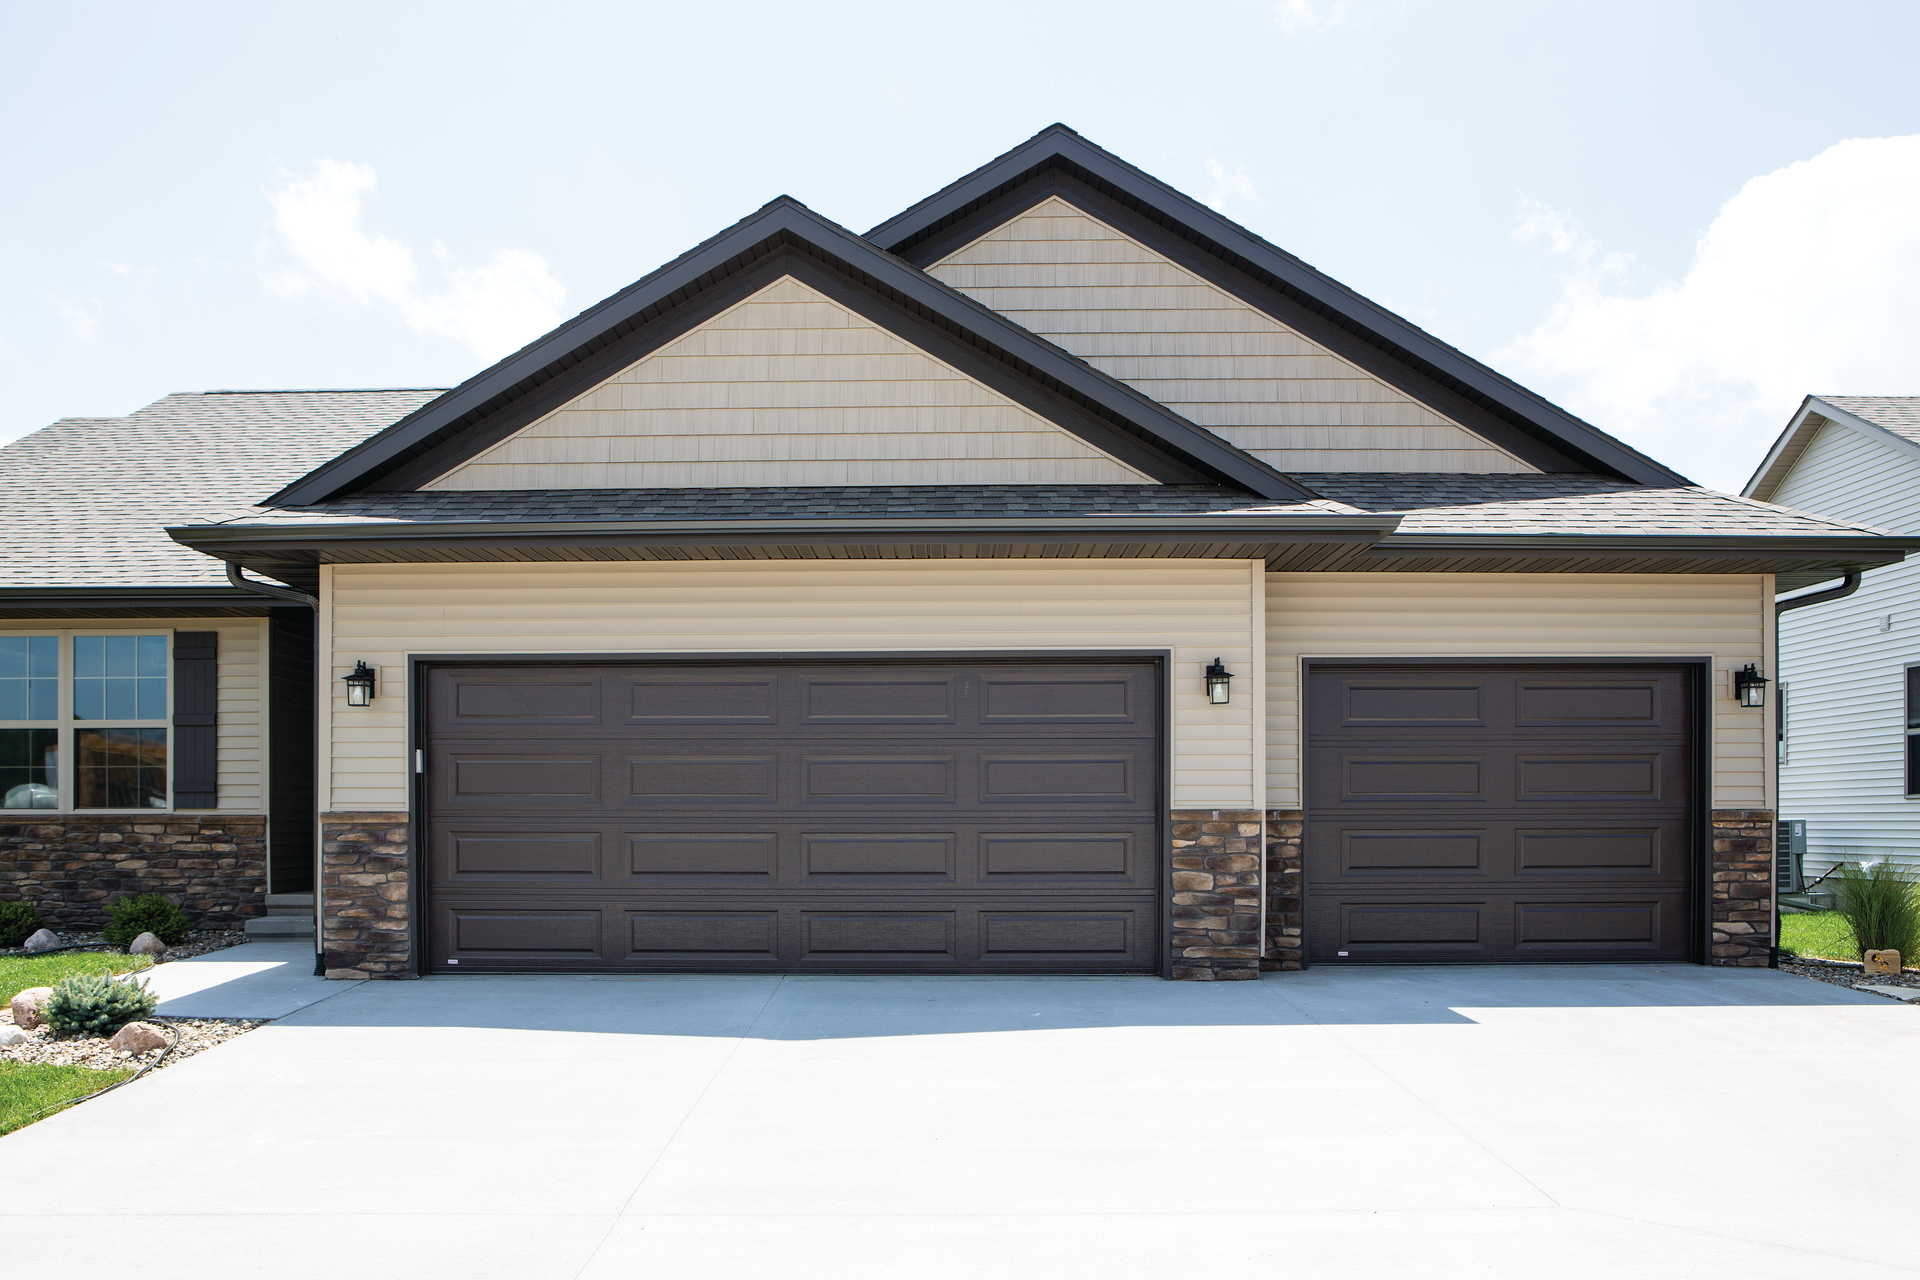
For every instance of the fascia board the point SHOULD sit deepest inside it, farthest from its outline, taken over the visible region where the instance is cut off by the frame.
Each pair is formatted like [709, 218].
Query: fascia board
[805, 226]
[1587, 544]
[1787, 447]
[1231, 240]
[212, 539]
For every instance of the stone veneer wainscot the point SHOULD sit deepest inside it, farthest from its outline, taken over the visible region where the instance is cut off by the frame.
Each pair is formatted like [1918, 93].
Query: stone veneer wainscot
[365, 929]
[214, 866]
[1216, 894]
[1285, 947]
[1742, 899]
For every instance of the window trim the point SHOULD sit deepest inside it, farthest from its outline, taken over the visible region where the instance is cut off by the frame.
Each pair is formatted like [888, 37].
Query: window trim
[68, 727]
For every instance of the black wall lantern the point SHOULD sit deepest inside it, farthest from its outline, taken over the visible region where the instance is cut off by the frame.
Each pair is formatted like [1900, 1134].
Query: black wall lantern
[1750, 686]
[359, 685]
[1218, 680]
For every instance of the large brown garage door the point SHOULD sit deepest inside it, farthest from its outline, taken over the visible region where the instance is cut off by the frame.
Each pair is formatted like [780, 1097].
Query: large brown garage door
[1498, 813]
[881, 817]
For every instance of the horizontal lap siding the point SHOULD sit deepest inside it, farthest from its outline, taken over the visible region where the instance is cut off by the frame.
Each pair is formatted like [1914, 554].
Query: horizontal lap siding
[1494, 615]
[1139, 317]
[1845, 769]
[1198, 609]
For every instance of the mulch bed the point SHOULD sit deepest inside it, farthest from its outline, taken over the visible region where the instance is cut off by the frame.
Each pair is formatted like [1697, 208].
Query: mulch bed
[1850, 973]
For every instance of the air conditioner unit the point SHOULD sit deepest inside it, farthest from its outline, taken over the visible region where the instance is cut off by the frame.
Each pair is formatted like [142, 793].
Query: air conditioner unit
[1790, 854]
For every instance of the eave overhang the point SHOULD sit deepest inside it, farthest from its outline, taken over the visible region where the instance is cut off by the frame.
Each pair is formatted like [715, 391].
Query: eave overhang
[1813, 414]
[1798, 560]
[134, 602]
[784, 225]
[292, 552]
[1058, 147]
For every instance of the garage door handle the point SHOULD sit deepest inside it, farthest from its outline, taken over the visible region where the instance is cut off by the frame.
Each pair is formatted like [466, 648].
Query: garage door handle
[419, 760]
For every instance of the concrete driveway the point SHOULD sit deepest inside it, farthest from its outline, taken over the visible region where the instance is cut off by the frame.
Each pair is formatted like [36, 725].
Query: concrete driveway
[1546, 1123]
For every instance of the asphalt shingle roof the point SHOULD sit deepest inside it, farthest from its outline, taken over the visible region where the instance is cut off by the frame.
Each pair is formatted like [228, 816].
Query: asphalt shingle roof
[86, 500]
[1898, 414]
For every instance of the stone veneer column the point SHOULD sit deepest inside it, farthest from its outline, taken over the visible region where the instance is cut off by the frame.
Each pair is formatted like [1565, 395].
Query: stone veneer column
[1216, 894]
[1286, 873]
[1742, 902]
[69, 866]
[365, 928]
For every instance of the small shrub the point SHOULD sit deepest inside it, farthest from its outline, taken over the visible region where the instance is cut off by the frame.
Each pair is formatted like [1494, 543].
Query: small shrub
[18, 922]
[150, 913]
[1880, 903]
[96, 1004]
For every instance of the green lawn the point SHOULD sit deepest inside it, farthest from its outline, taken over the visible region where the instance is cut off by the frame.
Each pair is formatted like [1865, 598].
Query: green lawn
[1821, 935]
[17, 973]
[27, 1087]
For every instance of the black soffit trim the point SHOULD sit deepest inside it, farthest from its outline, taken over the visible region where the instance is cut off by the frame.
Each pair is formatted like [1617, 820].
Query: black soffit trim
[781, 223]
[182, 600]
[1057, 146]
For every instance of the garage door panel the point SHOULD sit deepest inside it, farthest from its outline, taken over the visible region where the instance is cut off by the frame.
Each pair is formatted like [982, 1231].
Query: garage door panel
[811, 817]
[1557, 801]
[516, 699]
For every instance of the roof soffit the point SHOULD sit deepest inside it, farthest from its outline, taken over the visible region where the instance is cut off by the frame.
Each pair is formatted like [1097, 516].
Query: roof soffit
[968, 207]
[785, 237]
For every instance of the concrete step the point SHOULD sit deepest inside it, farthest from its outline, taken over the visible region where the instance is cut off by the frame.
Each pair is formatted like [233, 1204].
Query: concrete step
[280, 927]
[290, 904]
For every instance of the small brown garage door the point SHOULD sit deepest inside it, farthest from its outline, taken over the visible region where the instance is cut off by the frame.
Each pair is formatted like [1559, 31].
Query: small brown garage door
[881, 817]
[1498, 813]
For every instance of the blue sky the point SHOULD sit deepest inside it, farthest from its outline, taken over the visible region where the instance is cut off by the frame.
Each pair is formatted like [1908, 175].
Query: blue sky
[1674, 219]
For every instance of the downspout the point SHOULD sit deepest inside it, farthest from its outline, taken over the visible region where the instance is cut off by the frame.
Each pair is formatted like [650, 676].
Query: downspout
[1848, 585]
[243, 583]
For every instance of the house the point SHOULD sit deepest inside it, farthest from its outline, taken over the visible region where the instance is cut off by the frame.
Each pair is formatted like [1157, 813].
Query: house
[1849, 731]
[1057, 578]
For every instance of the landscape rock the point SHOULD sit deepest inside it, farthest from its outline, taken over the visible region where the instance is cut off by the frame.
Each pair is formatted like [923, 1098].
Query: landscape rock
[147, 945]
[44, 940]
[138, 1037]
[27, 1005]
[11, 1036]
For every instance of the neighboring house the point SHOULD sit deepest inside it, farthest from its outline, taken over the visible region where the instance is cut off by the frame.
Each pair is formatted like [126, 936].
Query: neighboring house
[1019, 587]
[1850, 668]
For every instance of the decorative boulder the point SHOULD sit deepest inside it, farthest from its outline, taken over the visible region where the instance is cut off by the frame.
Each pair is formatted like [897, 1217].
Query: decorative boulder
[44, 940]
[138, 1037]
[147, 945]
[10, 1036]
[27, 1005]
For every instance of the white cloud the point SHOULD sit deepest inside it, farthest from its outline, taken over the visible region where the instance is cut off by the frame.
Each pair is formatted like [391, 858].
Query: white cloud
[1310, 17]
[1806, 281]
[82, 315]
[494, 308]
[1224, 184]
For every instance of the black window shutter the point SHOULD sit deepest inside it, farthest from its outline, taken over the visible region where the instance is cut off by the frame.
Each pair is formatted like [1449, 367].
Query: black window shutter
[196, 693]
[1913, 697]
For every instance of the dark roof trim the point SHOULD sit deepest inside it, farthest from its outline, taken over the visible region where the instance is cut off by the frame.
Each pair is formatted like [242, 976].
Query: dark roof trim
[1876, 548]
[783, 222]
[1060, 147]
[232, 540]
[133, 601]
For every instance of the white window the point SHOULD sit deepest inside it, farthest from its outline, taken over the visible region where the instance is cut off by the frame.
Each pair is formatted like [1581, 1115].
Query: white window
[83, 720]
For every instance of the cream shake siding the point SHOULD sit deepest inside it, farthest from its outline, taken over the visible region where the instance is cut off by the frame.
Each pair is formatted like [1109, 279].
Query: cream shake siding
[1136, 315]
[239, 756]
[788, 388]
[1411, 615]
[1198, 609]
[1845, 766]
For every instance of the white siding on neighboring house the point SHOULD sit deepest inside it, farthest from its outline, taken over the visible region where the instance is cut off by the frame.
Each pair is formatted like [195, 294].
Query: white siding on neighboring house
[240, 729]
[1845, 768]
[1136, 315]
[1517, 615]
[1199, 609]
[787, 387]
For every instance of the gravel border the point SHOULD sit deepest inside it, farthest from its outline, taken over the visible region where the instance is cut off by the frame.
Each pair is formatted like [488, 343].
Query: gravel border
[199, 943]
[197, 1035]
[1850, 973]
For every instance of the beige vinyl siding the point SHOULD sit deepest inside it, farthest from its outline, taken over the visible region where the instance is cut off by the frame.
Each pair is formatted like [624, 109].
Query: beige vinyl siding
[1198, 609]
[1495, 615]
[788, 387]
[1138, 316]
[239, 738]
[1845, 766]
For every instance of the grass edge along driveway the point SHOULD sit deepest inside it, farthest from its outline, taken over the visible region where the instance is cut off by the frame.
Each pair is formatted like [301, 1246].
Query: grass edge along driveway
[28, 1087]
